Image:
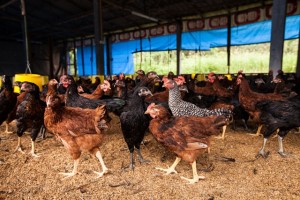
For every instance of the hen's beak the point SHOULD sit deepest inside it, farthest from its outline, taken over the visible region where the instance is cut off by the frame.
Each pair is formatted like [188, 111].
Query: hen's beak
[103, 124]
[148, 93]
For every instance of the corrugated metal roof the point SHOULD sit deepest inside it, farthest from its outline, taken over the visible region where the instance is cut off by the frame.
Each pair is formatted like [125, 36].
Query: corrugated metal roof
[65, 19]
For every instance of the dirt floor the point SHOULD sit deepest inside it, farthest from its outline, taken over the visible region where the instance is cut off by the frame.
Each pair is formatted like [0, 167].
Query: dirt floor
[25, 177]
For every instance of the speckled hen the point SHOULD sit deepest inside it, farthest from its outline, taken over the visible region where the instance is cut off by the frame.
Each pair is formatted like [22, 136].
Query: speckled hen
[180, 107]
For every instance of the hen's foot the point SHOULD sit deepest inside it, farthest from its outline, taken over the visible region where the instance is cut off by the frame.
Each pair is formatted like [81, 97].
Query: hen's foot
[142, 160]
[275, 136]
[19, 148]
[193, 180]
[262, 154]
[8, 132]
[100, 174]
[283, 154]
[255, 135]
[35, 155]
[68, 175]
[220, 137]
[169, 170]
[131, 166]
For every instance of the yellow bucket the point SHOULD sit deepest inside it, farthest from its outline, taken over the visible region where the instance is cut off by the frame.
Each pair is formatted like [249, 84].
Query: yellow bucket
[229, 77]
[200, 77]
[93, 78]
[45, 80]
[128, 76]
[33, 78]
[134, 76]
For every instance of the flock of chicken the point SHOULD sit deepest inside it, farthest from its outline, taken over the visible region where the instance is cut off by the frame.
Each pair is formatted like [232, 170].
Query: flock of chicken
[181, 115]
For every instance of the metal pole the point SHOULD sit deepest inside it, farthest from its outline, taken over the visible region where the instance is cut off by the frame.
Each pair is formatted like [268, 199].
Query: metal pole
[298, 68]
[75, 57]
[23, 12]
[82, 57]
[108, 54]
[92, 56]
[277, 34]
[99, 43]
[50, 43]
[178, 46]
[228, 42]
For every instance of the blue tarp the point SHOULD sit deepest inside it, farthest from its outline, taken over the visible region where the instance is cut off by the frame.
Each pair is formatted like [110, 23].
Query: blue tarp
[122, 52]
[88, 61]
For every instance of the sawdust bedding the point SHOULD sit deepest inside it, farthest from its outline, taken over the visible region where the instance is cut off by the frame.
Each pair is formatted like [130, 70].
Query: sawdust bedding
[231, 170]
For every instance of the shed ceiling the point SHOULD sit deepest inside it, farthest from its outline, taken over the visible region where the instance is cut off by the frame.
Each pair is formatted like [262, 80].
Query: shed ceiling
[65, 19]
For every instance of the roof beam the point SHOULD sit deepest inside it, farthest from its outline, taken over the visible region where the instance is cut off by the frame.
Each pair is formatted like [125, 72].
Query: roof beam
[139, 14]
[7, 4]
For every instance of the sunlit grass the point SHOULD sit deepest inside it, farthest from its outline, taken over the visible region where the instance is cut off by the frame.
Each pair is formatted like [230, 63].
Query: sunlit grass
[249, 58]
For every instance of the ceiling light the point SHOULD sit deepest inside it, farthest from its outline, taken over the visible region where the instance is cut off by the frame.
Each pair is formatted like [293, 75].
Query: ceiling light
[144, 16]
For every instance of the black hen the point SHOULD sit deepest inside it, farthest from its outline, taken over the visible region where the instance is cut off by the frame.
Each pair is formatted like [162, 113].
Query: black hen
[134, 122]
[30, 114]
[73, 99]
[281, 115]
[8, 99]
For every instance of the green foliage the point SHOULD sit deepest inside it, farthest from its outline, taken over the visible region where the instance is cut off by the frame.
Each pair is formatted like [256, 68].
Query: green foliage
[251, 58]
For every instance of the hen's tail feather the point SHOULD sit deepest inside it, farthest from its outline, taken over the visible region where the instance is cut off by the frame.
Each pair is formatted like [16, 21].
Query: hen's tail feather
[221, 121]
[222, 112]
[114, 104]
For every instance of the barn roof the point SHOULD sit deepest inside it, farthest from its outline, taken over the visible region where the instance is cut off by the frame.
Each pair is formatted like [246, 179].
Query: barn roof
[64, 19]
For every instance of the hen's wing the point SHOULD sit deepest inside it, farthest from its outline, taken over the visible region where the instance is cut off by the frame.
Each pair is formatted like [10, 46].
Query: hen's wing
[188, 133]
[279, 113]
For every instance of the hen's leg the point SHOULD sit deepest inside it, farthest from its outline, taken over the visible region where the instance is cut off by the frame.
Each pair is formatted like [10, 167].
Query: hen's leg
[140, 157]
[104, 168]
[276, 135]
[223, 133]
[258, 130]
[280, 145]
[245, 124]
[34, 133]
[19, 146]
[33, 149]
[262, 150]
[281, 133]
[131, 165]
[76, 162]
[6, 128]
[172, 168]
[196, 177]
[131, 150]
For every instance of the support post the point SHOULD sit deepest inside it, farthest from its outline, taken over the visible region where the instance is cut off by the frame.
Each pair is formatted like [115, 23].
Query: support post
[23, 12]
[277, 34]
[51, 65]
[82, 56]
[92, 57]
[75, 57]
[298, 67]
[228, 42]
[99, 43]
[178, 47]
[108, 54]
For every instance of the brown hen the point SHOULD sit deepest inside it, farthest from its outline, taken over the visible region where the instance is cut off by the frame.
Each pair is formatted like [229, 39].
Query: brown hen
[186, 136]
[78, 129]
[99, 91]
[8, 100]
